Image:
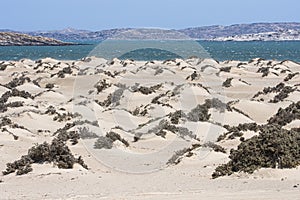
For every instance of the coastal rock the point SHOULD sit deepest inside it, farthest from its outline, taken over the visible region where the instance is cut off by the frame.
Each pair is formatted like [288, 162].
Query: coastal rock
[18, 39]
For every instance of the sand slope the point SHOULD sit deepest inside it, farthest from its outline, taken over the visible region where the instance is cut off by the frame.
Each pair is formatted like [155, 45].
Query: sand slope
[158, 108]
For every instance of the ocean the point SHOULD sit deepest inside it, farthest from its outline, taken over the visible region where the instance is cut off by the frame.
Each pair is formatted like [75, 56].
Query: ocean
[243, 51]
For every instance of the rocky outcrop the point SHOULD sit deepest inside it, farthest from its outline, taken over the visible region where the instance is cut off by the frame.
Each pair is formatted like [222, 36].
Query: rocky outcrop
[17, 39]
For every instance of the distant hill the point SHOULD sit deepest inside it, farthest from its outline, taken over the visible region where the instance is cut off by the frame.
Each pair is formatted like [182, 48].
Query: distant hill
[78, 35]
[18, 39]
[203, 33]
[211, 32]
[282, 35]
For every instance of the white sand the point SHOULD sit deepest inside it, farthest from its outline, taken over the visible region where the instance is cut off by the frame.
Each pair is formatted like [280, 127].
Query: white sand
[139, 171]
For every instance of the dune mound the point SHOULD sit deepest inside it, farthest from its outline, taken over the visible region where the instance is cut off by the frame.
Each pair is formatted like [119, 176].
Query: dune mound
[197, 116]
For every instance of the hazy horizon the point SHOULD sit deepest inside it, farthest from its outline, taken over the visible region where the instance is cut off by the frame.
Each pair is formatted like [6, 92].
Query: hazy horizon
[82, 29]
[35, 15]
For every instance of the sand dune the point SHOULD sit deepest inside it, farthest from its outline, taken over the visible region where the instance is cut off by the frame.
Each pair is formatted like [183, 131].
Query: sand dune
[145, 130]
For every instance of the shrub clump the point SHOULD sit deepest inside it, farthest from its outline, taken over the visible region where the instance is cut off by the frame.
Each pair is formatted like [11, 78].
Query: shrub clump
[103, 143]
[156, 100]
[235, 131]
[225, 69]
[176, 116]
[138, 111]
[200, 113]
[290, 76]
[64, 136]
[274, 147]
[282, 90]
[49, 85]
[65, 116]
[106, 142]
[287, 115]
[57, 152]
[5, 106]
[283, 94]
[2, 66]
[215, 147]
[65, 70]
[163, 126]
[5, 121]
[147, 90]
[217, 104]
[102, 85]
[17, 82]
[50, 110]
[14, 93]
[178, 155]
[115, 136]
[112, 99]
[227, 82]
[264, 70]
[65, 128]
[85, 133]
[193, 76]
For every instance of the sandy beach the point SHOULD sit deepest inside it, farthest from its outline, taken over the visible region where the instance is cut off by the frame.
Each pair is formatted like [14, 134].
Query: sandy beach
[124, 129]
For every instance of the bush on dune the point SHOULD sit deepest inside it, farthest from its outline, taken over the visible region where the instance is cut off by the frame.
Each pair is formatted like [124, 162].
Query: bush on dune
[57, 153]
[274, 147]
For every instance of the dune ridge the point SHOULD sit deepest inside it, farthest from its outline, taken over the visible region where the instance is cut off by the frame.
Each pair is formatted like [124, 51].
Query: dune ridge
[158, 129]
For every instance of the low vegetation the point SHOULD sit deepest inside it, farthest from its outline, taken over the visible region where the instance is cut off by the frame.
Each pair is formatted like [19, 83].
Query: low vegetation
[57, 153]
[274, 147]
[106, 142]
[227, 82]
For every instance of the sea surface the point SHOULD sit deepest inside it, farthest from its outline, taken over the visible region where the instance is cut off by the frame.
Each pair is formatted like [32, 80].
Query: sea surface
[243, 51]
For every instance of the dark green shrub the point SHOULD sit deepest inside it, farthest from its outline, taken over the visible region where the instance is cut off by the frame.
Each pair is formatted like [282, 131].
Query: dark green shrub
[215, 147]
[227, 82]
[274, 147]
[57, 153]
[103, 143]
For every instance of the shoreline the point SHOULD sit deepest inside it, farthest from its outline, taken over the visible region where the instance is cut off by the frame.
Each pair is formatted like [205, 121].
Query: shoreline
[147, 61]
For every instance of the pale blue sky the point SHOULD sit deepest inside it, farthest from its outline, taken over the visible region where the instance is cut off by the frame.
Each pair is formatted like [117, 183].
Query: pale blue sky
[105, 14]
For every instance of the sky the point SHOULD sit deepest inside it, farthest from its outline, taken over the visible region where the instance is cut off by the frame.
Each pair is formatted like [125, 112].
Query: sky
[27, 15]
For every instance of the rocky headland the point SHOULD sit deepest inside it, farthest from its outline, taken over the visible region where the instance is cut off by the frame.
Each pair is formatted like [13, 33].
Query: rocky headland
[18, 39]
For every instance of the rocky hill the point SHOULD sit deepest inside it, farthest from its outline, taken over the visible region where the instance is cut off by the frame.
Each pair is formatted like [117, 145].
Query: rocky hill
[211, 32]
[70, 34]
[18, 39]
[289, 35]
[202, 33]
[278, 31]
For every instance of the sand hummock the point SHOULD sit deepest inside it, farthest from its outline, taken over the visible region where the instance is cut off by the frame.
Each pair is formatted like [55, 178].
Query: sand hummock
[124, 129]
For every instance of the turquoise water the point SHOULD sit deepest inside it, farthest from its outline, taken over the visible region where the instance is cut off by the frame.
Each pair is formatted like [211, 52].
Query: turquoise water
[149, 54]
[37, 52]
[243, 51]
